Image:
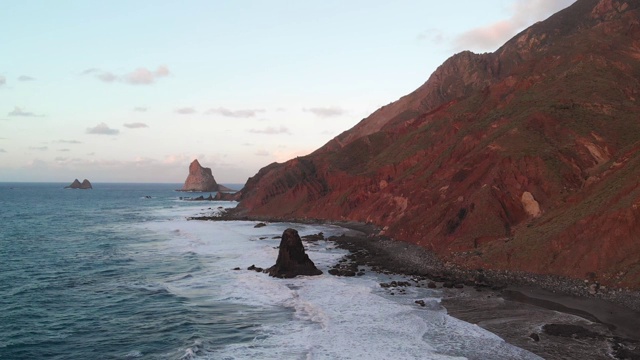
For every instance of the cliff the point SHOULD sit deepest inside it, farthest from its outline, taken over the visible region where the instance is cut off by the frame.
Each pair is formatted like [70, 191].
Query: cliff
[522, 159]
[199, 178]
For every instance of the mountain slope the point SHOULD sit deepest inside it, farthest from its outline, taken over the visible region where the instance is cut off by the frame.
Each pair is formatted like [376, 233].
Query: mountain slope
[522, 159]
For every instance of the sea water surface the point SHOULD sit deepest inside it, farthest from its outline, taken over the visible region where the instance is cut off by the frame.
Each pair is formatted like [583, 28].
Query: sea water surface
[118, 272]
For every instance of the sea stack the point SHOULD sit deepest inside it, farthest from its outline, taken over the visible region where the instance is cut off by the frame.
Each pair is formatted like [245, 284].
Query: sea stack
[199, 179]
[85, 185]
[292, 260]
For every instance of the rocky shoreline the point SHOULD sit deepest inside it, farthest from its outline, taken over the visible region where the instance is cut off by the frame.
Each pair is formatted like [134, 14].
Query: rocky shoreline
[551, 316]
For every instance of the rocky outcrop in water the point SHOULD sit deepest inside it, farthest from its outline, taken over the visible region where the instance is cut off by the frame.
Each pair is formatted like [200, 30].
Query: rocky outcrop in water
[292, 259]
[85, 185]
[199, 179]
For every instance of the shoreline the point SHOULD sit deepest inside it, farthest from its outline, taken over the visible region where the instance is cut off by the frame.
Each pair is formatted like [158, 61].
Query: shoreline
[550, 316]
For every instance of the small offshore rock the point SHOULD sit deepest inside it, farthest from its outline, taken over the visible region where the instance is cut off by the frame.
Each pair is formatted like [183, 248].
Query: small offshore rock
[535, 337]
[259, 225]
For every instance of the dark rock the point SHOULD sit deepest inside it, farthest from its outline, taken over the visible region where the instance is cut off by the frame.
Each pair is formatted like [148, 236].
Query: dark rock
[259, 225]
[255, 268]
[420, 302]
[314, 237]
[236, 268]
[568, 330]
[431, 285]
[447, 284]
[85, 185]
[292, 259]
[535, 337]
[458, 286]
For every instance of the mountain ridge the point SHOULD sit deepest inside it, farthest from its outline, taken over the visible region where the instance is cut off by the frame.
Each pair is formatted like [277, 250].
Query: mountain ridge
[521, 159]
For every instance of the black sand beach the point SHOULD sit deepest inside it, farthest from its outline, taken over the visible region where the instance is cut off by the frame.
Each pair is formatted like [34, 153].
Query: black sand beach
[551, 316]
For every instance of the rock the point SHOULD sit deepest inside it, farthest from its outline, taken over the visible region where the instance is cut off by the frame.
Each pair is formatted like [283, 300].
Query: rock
[85, 185]
[292, 259]
[255, 268]
[199, 179]
[568, 330]
[420, 302]
[236, 268]
[431, 285]
[259, 225]
[535, 337]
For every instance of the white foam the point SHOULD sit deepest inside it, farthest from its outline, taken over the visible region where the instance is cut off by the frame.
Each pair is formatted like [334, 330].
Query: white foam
[333, 317]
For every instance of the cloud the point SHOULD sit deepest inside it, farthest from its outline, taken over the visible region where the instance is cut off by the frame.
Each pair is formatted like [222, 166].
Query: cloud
[136, 125]
[63, 150]
[17, 111]
[143, 76]
[25, 78]
[102, 129]
[69, 142]
[139, 76]
[39, 148]
[432, 35]
[245, 113]
[271, 130]
[3, 151]
[3, 80]
[186, 111]
[523, 14]
[262, 153]
[326, 112]
[140, 109]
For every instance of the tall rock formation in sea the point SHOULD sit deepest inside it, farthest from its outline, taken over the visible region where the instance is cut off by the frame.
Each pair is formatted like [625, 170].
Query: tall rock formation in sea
[199, 178]
[527, 158]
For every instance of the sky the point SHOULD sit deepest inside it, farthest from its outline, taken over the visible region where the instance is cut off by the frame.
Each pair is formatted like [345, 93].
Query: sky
[133, 91]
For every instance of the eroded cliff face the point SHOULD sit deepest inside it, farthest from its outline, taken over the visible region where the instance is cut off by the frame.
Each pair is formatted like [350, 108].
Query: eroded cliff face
[199, 178]
[523, 159]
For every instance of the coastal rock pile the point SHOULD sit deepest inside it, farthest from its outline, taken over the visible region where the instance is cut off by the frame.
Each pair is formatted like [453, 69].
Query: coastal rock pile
[85, 185]
[292, 259]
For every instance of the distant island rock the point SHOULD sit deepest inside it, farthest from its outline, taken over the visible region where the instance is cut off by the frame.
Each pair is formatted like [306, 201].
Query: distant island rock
[201, 179]
[84, 185]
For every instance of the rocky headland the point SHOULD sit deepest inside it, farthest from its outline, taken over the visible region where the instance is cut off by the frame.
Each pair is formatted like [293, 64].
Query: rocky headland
[526, 159]
[84, 185]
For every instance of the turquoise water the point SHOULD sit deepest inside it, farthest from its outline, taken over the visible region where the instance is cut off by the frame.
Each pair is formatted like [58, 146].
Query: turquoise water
[72, 286]
[118, 272]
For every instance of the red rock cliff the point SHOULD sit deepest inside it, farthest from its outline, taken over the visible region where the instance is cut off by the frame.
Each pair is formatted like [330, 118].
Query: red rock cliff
[522, 159]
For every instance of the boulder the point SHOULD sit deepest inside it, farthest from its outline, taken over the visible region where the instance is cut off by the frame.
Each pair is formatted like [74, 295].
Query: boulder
[199, 179]
[85, 185]
[292, 259]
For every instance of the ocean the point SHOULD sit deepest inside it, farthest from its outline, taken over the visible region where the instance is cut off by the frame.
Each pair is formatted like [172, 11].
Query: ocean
[118, 272]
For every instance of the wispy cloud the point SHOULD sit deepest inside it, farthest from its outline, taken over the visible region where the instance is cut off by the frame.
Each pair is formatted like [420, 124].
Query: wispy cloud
[432, 35]
[64, 150]
[102, 129]
[3, 80]
[25, 78]
[140, 109]
[69, 142]
[17, 111]
[39, 148]
[186, 111]
[139, 76]
[270, 130]
[262, 153]
[243, 113]
[143, 76]
[3, 151]
[326, 112]
[135, 125]
[523, 14]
